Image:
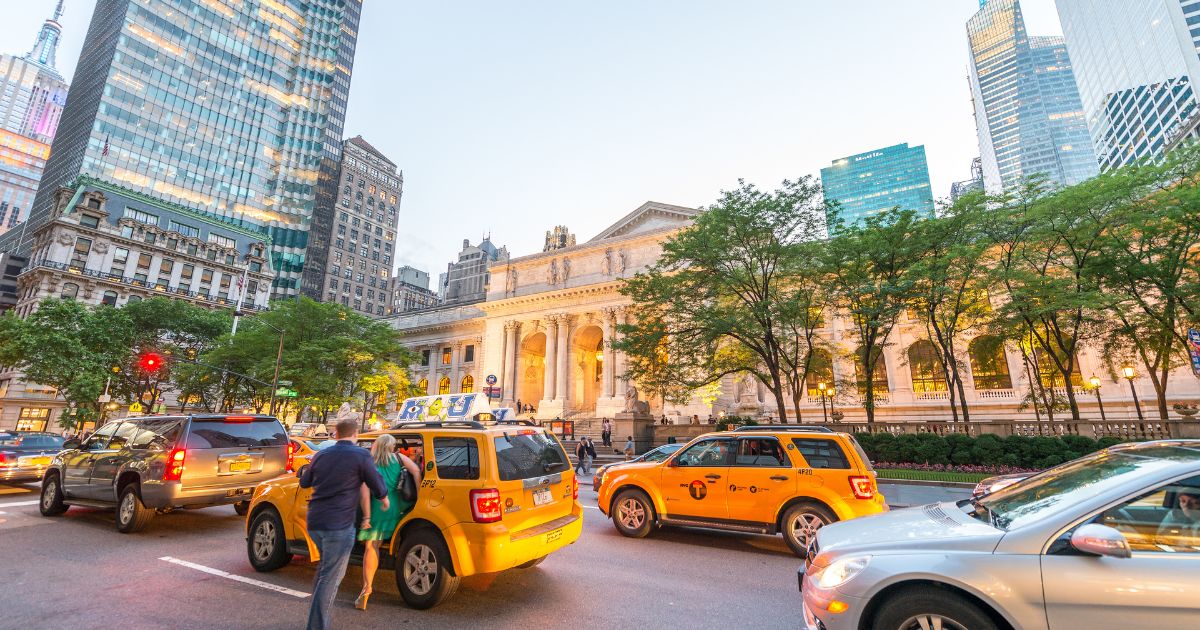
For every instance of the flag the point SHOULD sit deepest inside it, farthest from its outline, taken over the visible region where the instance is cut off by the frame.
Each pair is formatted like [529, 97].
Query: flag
[104, 153]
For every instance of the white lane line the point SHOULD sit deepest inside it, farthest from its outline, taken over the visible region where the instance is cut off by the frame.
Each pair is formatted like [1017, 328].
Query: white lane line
[236, 578]
[590, 507]
[19, 503]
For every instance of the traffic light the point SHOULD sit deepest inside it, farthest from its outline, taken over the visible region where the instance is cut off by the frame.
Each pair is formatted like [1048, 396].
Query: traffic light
[150, 362]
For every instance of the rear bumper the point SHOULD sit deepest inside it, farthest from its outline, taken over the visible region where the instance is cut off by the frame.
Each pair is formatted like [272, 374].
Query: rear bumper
[488, 548]
[164, 494]
[28, 473]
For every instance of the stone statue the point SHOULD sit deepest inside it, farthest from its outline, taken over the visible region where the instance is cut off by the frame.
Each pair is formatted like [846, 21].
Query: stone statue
[747, 390]
[552, 273]
[606, 262]
[512, 279]
[566, 269]
[631, 399]
[621, 261]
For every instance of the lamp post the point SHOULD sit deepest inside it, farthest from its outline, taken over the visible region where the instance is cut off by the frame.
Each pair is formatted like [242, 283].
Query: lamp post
[1131, 374]
[1095, 382]
[832, 414]
[821, 391]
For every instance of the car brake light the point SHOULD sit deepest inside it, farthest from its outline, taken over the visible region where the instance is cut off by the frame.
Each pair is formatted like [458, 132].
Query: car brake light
[239, 418]
[291, 458]
[575, 487]
[174, 468]
[485, 506]
[862, 487]
[3, 458]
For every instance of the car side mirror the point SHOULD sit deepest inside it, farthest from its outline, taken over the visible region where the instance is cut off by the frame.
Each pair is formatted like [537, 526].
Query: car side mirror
[71, 444]
[301, 470]
[1100, 540]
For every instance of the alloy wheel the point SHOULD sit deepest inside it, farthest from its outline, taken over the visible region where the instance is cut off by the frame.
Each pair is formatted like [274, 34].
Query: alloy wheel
[48, 493]
[264, 540]
[931, 621]
[804, 528]
[127, 507]
[632, 513]
[420, 569]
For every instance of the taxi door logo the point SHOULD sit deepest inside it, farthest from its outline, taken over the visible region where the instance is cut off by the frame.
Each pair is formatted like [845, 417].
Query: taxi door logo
[698, 490]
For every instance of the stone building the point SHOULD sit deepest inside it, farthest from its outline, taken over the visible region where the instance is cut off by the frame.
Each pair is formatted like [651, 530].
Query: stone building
[542, 336]
[410, 291]
[466, 280]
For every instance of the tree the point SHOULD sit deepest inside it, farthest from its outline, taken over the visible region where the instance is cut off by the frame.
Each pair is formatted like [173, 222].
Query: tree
[720, 300]
[869, 274]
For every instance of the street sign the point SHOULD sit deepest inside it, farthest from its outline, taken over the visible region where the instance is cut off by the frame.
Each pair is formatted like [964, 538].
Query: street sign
[1194, 349]
[491, 379]
[283, 383]
[284, 392]
[104, 398]
[492, 392]
[135, 408]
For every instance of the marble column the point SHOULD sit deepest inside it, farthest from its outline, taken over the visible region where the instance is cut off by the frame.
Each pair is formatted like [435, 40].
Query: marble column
[508, 377]
[551, 362]
[563, 368]
[435, 355]
[455, 364]
[606, 379]
[619, 380]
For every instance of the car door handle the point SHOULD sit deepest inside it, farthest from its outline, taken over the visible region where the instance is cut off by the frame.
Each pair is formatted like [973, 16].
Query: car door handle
[712, 476]
[779, 478]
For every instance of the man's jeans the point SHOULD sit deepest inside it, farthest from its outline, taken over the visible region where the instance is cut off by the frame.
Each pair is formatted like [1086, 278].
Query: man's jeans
[334, 545]
[587, 464]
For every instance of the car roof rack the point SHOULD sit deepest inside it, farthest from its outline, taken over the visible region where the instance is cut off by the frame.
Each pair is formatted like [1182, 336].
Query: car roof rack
[784, 427]
[438, 424]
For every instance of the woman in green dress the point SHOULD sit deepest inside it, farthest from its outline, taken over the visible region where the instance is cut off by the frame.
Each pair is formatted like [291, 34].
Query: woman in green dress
[379, 524]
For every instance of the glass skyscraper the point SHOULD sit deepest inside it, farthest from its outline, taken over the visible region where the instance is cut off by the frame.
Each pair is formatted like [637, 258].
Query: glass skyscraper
[1028, 114]
[1137, 64]
[233, 107]
[871, 182]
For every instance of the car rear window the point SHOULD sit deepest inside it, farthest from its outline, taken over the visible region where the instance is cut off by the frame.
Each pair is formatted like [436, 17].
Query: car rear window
[218, 433]
[157, 433]
[529, 454]
[457, 458]
[819, 453]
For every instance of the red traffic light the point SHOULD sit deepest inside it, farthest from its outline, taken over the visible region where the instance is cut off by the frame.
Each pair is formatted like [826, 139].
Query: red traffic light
[150, 362]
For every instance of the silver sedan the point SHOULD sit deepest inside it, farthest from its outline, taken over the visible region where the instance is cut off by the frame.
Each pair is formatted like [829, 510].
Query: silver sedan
[1110, 540]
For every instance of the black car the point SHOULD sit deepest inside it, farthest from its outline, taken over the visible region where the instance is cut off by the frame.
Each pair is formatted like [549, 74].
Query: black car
[25, 455]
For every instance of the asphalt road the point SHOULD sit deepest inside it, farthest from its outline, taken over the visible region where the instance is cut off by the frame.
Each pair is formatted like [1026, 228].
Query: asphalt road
[188, 569]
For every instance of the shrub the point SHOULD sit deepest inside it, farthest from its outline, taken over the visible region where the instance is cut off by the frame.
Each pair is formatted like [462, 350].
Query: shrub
[965, 453]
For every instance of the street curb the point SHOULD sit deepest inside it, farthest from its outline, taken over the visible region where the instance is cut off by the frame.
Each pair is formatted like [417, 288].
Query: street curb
[915, 482]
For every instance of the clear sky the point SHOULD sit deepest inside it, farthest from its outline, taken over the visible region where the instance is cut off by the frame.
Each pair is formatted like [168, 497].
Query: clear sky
[512, 117]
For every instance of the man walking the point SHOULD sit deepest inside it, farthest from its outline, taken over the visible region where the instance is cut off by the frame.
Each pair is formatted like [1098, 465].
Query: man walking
[336, 476]
[589, 455]
[629, 448]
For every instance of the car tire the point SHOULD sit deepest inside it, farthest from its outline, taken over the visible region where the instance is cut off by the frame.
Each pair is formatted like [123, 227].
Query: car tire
[925, 607]
[532, 563]
[51, 503]
[633, 513]
[266, 545]
[132, 515]
[241, 507]
[800, 523]
[423, 572]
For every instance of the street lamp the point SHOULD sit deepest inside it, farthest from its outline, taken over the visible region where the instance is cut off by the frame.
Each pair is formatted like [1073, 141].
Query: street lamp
[1131, 374]
[1095, 382]
[821, 391]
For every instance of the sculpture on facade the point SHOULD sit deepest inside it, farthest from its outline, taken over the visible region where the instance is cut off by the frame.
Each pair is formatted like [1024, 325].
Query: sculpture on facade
[633, 405]
[552, 273]
[566, 269]
[512, 279]
[606, 262]
[621, 262]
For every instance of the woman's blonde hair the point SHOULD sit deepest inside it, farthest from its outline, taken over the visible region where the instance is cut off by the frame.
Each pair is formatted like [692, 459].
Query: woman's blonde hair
[382, 451]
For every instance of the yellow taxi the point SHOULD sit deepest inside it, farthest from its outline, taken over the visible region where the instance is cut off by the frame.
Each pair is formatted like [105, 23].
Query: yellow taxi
[764, 480]
[492, 497]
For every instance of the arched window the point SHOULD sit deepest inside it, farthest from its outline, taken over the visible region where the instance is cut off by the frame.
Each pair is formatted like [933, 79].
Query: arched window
[1050, 374]
[468, 384]
[133, 298]
[110, 298]
[989, 368]
[819, 371]
[70, 291]
[444, 385]
[926, 369]
[423, 385]
[878, 375]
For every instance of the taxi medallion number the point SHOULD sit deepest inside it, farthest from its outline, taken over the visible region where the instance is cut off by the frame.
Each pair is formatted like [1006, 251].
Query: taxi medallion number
[542, 496]
[239, 466]
[554, 535]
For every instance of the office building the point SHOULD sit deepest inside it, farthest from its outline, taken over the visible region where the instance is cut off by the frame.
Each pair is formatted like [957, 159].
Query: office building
[410, 291]
[1137, 68]
[32, 96]
[466, 280]
[231, 108]
[364, 231]
[875, 181]
[1028, 114]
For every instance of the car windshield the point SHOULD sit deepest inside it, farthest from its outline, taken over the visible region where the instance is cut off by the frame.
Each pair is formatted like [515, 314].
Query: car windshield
[1059, 488]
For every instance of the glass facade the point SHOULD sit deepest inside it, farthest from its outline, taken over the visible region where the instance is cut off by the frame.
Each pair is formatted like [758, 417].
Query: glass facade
[1028, 114]
[232, 107]
[871, 182]
[1136, 64]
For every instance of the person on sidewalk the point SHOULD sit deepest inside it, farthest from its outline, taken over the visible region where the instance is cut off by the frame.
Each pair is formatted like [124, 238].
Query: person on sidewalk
[336, 475]
[589, 455]
[629, 448]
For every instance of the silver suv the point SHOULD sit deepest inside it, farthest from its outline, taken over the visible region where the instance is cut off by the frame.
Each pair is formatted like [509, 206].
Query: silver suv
[155, 463]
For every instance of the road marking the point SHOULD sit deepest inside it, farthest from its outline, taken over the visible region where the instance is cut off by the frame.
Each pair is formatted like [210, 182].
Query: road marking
[236, 578]
[19, 503]
[15, 490]
[590, 507]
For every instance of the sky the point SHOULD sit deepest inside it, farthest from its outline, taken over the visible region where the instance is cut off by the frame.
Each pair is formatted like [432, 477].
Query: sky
[509, 118]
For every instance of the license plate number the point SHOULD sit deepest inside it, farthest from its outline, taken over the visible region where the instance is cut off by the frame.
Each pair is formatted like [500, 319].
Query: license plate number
[542, 496]
[554, 535]
[239, 466]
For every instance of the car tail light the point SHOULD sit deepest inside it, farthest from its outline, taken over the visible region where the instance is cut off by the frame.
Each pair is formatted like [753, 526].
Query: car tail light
[291, 458]
[239, 419]
[485, 506]
[174, 469]
[3, 459]
[574, 487]
[862, 486]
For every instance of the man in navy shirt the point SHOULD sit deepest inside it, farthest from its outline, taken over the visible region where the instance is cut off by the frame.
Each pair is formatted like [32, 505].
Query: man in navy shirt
[336, 474]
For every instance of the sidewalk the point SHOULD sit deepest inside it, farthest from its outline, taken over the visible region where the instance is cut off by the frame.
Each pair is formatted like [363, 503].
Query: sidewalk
[908, 493]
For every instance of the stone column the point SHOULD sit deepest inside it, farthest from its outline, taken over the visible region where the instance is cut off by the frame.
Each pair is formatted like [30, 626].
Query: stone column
[435, 355]
[455, 364]
[563, 368]
[606, 379]
[508, 375]
[619, 380]
[548, 385]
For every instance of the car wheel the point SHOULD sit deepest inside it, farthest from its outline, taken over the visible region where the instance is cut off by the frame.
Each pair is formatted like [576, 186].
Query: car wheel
[531, 563]
[632, 513]
[266, 545]
[800, 524]
[52, 497]
[423, 574]
[241, 507]
[132, 514]
[925, 608]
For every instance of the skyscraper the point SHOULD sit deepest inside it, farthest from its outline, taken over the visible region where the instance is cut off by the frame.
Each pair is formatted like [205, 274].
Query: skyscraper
[1028, 114]
[871, 182]
[1137, 66]
[232, 108]
[32, 96]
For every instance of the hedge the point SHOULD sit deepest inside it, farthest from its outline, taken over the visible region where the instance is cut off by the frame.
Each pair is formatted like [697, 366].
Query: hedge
[1014, 451]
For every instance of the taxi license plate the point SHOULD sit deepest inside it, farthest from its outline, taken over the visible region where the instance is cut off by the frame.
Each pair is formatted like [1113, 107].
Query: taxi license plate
[239, 466]
[542, 496]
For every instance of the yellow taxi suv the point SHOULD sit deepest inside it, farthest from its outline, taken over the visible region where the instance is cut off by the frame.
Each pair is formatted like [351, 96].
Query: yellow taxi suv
[763, 480]
[492, 497]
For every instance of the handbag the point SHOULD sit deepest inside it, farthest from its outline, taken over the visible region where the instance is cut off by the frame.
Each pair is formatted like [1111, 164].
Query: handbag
[407, 486]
